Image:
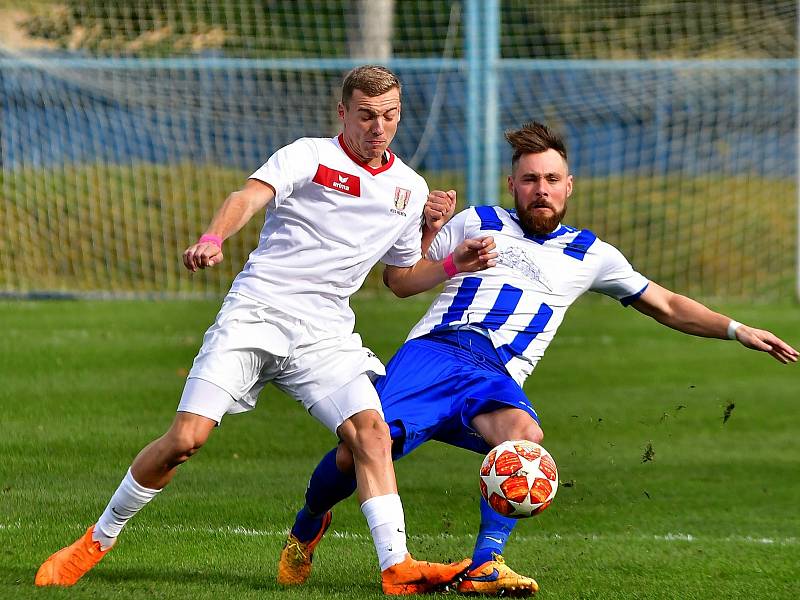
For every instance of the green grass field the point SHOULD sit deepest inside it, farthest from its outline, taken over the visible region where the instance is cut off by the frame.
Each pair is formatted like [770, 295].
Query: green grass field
[713, 515]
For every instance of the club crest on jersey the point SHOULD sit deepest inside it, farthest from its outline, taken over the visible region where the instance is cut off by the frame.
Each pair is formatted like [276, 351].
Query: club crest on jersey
[401, 199]
[338, 180]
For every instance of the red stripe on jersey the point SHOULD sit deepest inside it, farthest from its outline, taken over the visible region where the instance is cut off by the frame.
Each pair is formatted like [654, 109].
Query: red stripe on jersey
[338, 180]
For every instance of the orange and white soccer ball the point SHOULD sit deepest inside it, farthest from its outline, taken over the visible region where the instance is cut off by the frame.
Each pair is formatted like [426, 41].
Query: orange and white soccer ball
[519, 479]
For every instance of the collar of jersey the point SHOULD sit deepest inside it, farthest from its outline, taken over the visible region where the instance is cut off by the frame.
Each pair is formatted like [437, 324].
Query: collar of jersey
[361, 163]
[541, 239]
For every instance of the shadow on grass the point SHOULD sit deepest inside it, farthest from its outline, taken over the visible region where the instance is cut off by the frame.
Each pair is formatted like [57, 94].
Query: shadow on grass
[135, 579]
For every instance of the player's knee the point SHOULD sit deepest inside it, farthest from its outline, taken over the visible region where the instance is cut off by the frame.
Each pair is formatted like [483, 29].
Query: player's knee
[184, 439]
[344, 459]
[525, 428]
[507, 424]
[519, 431]
[367, 436]
[534, 433]
[179, 446]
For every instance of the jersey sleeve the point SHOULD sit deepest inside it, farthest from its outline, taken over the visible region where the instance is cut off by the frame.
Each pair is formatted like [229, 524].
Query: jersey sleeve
[617, 278]
[407, 250]
[450, 236]
[289, 167]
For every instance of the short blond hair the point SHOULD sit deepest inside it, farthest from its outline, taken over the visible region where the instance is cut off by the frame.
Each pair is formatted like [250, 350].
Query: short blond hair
[373, 80]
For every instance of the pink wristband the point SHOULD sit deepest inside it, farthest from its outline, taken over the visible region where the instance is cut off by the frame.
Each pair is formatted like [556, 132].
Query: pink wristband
[213, 239]
[449, 266]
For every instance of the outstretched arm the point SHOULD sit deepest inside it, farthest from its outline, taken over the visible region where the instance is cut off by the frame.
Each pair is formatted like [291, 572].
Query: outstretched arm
[470, 255]
[234, 213]
[689, 316]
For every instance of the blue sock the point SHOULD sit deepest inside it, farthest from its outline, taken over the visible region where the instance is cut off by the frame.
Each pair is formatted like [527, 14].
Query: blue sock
[493, 535]
[328, 486]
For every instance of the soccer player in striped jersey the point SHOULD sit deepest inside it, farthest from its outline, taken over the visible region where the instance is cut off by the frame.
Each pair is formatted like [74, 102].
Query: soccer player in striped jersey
[334, 208]
[458, 378]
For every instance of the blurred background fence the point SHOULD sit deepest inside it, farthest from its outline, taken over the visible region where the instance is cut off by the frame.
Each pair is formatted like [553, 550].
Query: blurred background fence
[124, 125]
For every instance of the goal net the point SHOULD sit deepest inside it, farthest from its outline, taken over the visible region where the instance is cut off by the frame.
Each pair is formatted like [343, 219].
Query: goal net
[124, 125]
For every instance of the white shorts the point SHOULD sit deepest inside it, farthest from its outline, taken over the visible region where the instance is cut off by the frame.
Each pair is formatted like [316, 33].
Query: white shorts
[354, 397]
[251, 344]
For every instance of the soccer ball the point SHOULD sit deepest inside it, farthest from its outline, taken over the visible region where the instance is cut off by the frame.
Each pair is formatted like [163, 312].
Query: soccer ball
[519, 479]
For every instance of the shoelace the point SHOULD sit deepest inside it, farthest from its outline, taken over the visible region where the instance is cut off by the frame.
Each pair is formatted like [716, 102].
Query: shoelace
[299, 554]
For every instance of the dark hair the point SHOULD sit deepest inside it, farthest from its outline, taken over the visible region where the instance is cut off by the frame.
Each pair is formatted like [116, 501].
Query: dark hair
[373, 80]
[534, 138]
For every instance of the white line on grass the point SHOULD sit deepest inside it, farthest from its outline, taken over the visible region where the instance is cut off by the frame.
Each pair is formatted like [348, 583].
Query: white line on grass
[347, 535]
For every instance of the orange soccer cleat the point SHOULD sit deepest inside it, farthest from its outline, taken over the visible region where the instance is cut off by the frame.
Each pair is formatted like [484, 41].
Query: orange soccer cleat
[495, 578]
[69, 564]
[418, 576]
[294, 566]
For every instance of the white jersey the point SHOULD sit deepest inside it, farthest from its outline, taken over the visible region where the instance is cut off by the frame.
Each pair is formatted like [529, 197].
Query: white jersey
[332, 220]
[521, 302]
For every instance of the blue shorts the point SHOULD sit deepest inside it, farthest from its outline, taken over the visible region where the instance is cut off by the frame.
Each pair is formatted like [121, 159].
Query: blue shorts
[436, 384]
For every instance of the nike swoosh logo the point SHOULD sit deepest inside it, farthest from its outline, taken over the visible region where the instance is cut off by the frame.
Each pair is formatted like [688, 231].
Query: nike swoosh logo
[494, 539]
[490, 577]
[123, 515]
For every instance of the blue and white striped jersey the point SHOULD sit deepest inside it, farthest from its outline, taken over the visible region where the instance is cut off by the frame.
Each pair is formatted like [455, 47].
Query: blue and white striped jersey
[521, 302]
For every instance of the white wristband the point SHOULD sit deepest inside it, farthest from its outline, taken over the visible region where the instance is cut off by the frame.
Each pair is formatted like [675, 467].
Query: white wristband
[732, 327]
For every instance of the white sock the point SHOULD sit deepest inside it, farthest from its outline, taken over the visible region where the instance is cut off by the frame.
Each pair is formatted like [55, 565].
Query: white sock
[387, 525]
[128, 500]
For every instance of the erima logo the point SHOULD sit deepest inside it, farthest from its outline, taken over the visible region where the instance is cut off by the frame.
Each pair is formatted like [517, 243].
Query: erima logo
[340, 181]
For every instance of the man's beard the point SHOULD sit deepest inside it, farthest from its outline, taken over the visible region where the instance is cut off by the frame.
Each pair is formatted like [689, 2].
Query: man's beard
[535, 222]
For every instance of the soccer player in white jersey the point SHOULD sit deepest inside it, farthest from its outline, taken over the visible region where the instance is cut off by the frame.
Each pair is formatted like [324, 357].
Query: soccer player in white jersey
[458, 378]
[335, 207]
